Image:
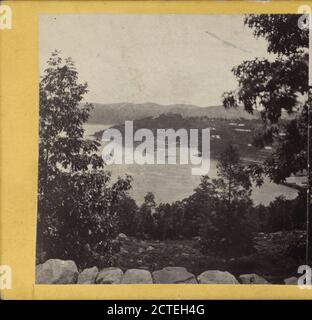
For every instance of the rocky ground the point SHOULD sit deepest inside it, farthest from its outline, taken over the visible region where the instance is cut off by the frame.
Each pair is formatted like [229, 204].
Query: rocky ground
[154, 255]
[273, 257]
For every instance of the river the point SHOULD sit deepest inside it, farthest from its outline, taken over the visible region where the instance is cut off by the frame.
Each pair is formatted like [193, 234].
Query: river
[172, 182]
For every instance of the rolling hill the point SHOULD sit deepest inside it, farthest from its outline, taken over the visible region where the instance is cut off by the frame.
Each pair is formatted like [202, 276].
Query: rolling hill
[119, 112]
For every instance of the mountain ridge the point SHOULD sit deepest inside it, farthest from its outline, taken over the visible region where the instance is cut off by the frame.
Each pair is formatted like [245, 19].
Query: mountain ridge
[116, 113]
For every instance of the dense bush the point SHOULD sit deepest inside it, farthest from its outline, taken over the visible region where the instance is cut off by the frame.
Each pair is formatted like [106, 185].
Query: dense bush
[228, 232]
[82, 218]
[281, 214]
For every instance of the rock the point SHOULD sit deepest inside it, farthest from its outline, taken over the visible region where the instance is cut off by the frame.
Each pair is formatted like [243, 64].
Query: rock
[173, 275]
[215, 276]
[122, 237]
[141, 250]
[123, 250]
[197, 238]
[56, 271]
[252, 279]
[137, 276]
[88, 276]
[109, 276]
[291, 281]
[150, 248]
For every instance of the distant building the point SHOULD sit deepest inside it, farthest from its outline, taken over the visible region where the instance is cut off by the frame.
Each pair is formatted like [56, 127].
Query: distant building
[233, 124]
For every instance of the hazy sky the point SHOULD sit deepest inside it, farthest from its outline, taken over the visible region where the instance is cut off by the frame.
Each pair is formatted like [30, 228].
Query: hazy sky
[167, 59]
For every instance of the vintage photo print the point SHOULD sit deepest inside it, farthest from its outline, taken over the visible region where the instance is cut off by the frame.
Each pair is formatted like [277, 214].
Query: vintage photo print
[173, 149]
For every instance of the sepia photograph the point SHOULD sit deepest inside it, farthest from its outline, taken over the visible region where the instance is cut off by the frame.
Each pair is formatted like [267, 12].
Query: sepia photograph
[173, 149]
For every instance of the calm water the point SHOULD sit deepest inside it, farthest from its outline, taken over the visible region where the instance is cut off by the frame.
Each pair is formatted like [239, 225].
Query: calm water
[175, 182]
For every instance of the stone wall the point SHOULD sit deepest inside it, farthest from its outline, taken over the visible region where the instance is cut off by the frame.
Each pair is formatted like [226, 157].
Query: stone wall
[55, 271]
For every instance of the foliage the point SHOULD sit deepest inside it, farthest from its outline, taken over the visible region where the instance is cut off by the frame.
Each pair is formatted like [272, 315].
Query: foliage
[226, 228]
[84, 211]
[145, 218]
[285, 90]
[234, 181]
[281, 214]
[77, 206]
[127, 214]
[274, 87]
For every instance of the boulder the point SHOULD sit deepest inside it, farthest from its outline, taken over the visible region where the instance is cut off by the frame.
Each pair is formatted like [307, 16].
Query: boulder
[173, 275]
[216, 277]
[252, 279]
[56, 271]
[291, 281]
[87, 276]
[122, 237]
[109, 276]
[137, 276]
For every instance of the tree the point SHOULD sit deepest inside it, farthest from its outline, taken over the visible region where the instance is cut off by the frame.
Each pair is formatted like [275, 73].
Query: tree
[169, 221]
[61, 143]
[76, 205]
[145, 216]
[198, 207]
[277, 87]
[126, 214]
[234, 181]
[226, 227]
